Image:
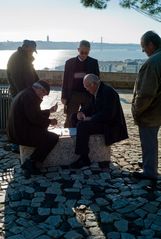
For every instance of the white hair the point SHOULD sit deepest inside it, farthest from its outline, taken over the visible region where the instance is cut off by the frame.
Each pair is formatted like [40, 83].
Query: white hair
[92, 78]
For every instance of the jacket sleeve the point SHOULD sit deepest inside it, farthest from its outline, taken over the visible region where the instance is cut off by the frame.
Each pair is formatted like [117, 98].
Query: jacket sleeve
[65, 84]
[107, 112]
[147, 88]
[35, 115]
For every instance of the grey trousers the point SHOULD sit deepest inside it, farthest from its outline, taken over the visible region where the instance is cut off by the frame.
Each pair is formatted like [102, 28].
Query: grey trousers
[149, 145]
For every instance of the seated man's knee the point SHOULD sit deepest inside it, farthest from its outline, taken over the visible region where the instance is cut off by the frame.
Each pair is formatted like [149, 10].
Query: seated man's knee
[82, 125]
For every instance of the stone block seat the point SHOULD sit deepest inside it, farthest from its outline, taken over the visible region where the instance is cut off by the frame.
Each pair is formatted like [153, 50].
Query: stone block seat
[63, 153]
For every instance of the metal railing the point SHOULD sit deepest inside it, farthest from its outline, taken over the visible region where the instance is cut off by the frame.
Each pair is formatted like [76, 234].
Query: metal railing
[5, 102]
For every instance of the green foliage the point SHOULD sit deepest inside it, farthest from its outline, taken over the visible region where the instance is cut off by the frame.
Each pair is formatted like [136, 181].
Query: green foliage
[99, 4]
[150, 8]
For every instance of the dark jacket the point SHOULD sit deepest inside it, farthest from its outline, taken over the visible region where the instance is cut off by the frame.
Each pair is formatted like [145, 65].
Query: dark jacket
[91, 67]
[146, 103]
[20, 71]
[106, 109]
[27, 122]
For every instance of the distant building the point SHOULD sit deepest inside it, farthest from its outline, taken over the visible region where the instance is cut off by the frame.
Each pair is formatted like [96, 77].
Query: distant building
[47, 38]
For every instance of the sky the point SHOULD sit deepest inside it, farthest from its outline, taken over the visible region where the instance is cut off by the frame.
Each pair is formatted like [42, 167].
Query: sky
[68, 20]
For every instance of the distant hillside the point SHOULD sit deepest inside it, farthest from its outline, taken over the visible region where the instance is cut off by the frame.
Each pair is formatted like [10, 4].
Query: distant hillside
[9, 45]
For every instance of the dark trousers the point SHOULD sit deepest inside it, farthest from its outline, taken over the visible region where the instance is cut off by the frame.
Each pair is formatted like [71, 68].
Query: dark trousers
[149, 145]
[77, 100]
[84, 130]
[43, 147]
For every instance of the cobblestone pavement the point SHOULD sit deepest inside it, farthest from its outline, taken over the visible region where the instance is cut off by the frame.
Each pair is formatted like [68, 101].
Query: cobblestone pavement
[92, 202]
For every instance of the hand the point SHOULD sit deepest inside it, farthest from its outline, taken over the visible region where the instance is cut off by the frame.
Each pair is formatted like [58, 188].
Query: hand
[53, 121]
[54, 108]
[81, 116]
[64, 101]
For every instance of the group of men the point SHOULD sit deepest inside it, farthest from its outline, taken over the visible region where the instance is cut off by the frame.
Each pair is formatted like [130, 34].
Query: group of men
[90, 105]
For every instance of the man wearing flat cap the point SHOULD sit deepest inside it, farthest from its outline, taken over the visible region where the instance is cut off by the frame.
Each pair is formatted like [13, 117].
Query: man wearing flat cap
[20, 71]
[27, 124]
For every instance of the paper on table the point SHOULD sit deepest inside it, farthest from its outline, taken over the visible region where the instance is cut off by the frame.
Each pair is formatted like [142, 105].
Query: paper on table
[64, 131]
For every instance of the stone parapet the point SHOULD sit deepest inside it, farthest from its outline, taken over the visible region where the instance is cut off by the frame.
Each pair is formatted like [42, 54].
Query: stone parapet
[117, 80]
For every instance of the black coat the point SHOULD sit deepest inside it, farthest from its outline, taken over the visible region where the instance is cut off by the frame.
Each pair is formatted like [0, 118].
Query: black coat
[91, 67]
[27, 122]
[20, 72]
[106, 109]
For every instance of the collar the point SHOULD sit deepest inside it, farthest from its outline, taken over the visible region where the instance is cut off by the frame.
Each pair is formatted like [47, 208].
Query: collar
[95, 95]
[156, 51]
[81, 59]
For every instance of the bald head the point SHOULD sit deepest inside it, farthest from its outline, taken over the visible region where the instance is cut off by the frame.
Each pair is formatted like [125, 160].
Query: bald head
[91, 83]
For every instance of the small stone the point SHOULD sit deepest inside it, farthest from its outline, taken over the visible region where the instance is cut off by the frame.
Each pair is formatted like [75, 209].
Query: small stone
[18, 236]
[32, 232]
[38, 200]
[150, 208]
[44, 237]
[142, 213]
[106, 217]
[127, 236]
[139, 222]
[121, 225]
[69, 212]
[57, 211]
[73, 235]
[149, 233]
[155, 227]
[120, 203]
[157, 220]
[74, 223]
[102, 201]
[54, 221]
[113, 235]
[60, 199]
[43, 211]
[55, 233]
[84, 202]
[71, 190]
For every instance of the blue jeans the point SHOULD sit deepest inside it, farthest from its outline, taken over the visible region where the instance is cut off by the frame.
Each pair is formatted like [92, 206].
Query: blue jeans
[149, 145]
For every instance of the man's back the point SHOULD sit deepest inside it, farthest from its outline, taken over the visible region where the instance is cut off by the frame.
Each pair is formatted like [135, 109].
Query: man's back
[147, 92]
[26, 118]
[20, 71]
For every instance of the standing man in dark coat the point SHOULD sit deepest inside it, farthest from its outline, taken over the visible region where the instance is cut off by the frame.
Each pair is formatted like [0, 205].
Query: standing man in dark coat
[28, 124]
[104, 115]
[74, 94]
[146, 105]
[21, 73]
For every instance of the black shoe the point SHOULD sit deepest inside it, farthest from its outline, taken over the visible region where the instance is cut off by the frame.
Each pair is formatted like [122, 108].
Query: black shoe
[27, 164]
[140, 175]
[140, 164]
[104, 164]
[7, 147]
[29, 168]
[81, 162]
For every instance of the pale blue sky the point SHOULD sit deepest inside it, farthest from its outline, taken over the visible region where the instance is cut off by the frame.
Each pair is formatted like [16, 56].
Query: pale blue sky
[68, 20]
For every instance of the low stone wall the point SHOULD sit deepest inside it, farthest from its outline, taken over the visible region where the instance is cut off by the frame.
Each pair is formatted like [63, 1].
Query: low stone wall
[117, 80]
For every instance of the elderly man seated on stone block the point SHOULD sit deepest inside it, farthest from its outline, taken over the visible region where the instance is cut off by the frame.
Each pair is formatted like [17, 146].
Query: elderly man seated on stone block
[28, 124]
[103, 115]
